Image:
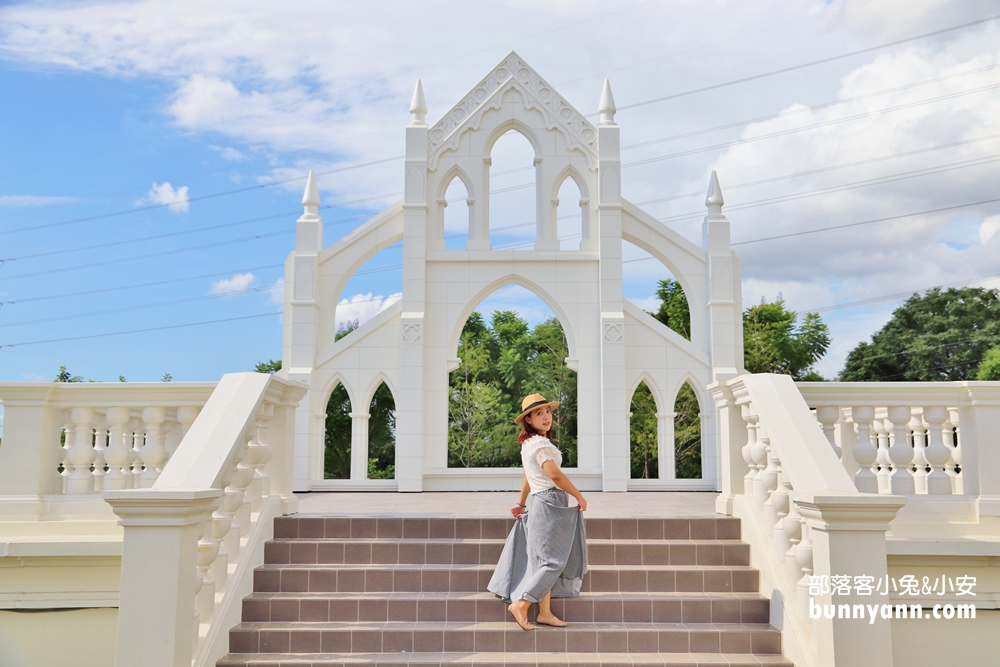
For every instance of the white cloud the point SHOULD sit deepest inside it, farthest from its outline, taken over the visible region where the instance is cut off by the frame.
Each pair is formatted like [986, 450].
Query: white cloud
[34, 377]
[23, 201]
[989, 228]
[237, 283]
[165, 195]
[276, 295]
[363, 307]
[229, 153]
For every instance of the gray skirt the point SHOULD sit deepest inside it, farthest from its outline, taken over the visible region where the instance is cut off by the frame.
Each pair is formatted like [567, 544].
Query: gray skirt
[545, 551]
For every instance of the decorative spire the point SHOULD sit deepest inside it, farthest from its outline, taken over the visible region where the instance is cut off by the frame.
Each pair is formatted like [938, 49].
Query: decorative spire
[714, 200]
[310, 198]
[607, 106]
[418, 107]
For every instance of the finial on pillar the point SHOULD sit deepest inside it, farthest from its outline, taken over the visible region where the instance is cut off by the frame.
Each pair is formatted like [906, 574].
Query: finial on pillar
[310, 199]
[607, 106]
[714, 200]
[418, 107]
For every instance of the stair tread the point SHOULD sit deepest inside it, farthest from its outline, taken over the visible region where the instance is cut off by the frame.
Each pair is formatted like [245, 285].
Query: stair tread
[486, 595]
[495, 540]
[526, 658]
[581, 626]
[482, 566]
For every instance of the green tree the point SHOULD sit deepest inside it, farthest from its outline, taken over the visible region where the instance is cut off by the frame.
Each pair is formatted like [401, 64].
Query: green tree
[269, 366]
[337, 441]
[167, 377]
[345, 328]
[66, 376]
[989, 367]
[644, 434]
[674, 311]
[687, 434]
[773, 342]
[382, 434]
[500, 363]
[939, 336]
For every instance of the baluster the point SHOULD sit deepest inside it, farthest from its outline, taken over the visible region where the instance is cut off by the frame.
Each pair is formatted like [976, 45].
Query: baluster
[864, 453]
[258, 454]
[938, 481]
[828, 416]
[222, 522]
[919, 431]
[186, 414]
[244, 478]
[135, 460]
[235, 492]
[81, 454]
[792, 525]
[208, 551]
[152, 453]
[100, 444]
[804, 559]
[954, 466]
[780, 503]
[750, 417]
[882, 458]
[759, 455]
[117, 454]
[901, 452]
[769, 480]
[67, 444]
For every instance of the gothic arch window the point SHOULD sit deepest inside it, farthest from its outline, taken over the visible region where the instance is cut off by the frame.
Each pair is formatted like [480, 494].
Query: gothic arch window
[570, 209]
[687, 433]
[649, 284]
[513, 199]
[337, 437]
[510, 346]
[382, 434]
[644, 434]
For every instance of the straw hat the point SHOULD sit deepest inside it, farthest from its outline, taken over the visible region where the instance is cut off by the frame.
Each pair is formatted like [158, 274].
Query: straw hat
[533, 402]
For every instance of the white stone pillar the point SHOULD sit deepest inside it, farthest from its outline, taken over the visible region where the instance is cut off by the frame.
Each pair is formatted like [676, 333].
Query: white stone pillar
[847, 533]
[30, 455]
[410, 406]
[724, 313]
[158, 581]
[359, 446]
[614, 401]
[730, 438]
[666, 445]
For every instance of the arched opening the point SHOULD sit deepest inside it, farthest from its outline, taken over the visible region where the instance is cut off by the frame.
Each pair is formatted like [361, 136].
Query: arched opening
[569, 215]
[456, 214]
[644, 434]
[687, 434]
[511, 346]
[513, 203]
[376, 285]
[382, 434]
[337, 440]
[649, 284]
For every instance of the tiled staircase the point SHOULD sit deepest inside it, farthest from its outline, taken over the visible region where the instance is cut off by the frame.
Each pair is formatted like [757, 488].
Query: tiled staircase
[397, 591]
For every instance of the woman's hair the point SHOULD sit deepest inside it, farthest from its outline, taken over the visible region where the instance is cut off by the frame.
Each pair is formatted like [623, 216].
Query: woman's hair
[528, 431]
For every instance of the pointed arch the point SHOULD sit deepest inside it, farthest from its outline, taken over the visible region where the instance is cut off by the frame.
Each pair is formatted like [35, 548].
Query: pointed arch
[513, 125]
[379, 379]
[688, 434]
[569, 171]
[647, 379]
[338, 432]
[379, 461]
[450, 175]
[512, 279]
[644, 431]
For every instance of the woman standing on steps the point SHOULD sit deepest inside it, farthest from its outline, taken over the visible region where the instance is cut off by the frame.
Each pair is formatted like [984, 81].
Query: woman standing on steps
[546, 552]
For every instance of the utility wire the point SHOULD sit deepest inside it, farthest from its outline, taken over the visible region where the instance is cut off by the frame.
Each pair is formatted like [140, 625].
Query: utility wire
[805, 65]
[868, 222]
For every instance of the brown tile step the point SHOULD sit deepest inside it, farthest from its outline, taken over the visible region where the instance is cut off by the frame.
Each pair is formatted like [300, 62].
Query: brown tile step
[459, 550]
[505, 659]
[461, 577]
[473, 607]
[315, 527]
[755, 638]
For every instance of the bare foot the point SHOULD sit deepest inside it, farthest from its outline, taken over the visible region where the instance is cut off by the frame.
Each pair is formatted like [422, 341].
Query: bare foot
[551, 620]
[520, 616]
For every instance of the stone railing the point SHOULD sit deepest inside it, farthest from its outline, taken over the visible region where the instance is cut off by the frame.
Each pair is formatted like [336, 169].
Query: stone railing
[926, 440]
[192, 538]
[72, 441]
[803, 517]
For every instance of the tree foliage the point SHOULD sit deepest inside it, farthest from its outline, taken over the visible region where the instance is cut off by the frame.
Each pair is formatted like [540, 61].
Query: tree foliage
[644, 434]
[774, 342]
[269, 366]
[940, 336]
[500, 363]
[337, 441]
[382, 434]
[989, 367]
[674, 310]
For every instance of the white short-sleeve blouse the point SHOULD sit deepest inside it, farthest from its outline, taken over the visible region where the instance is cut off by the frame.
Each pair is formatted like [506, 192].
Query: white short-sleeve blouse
[535, 451]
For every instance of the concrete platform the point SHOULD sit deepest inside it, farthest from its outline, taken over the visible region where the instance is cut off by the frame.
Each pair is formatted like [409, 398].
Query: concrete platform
[497, 504]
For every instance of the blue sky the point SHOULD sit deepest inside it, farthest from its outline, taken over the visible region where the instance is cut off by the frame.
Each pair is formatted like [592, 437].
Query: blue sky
[134, 123]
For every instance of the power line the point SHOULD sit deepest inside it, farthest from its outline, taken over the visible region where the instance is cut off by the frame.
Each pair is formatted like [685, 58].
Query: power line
[811, 63]
[825, 105]
[880, 180]
[899, 295]
[868, 222]
[133, 331]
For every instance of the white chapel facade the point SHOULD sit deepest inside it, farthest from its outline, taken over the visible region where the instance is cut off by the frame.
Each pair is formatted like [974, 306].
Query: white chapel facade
[412, 345]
